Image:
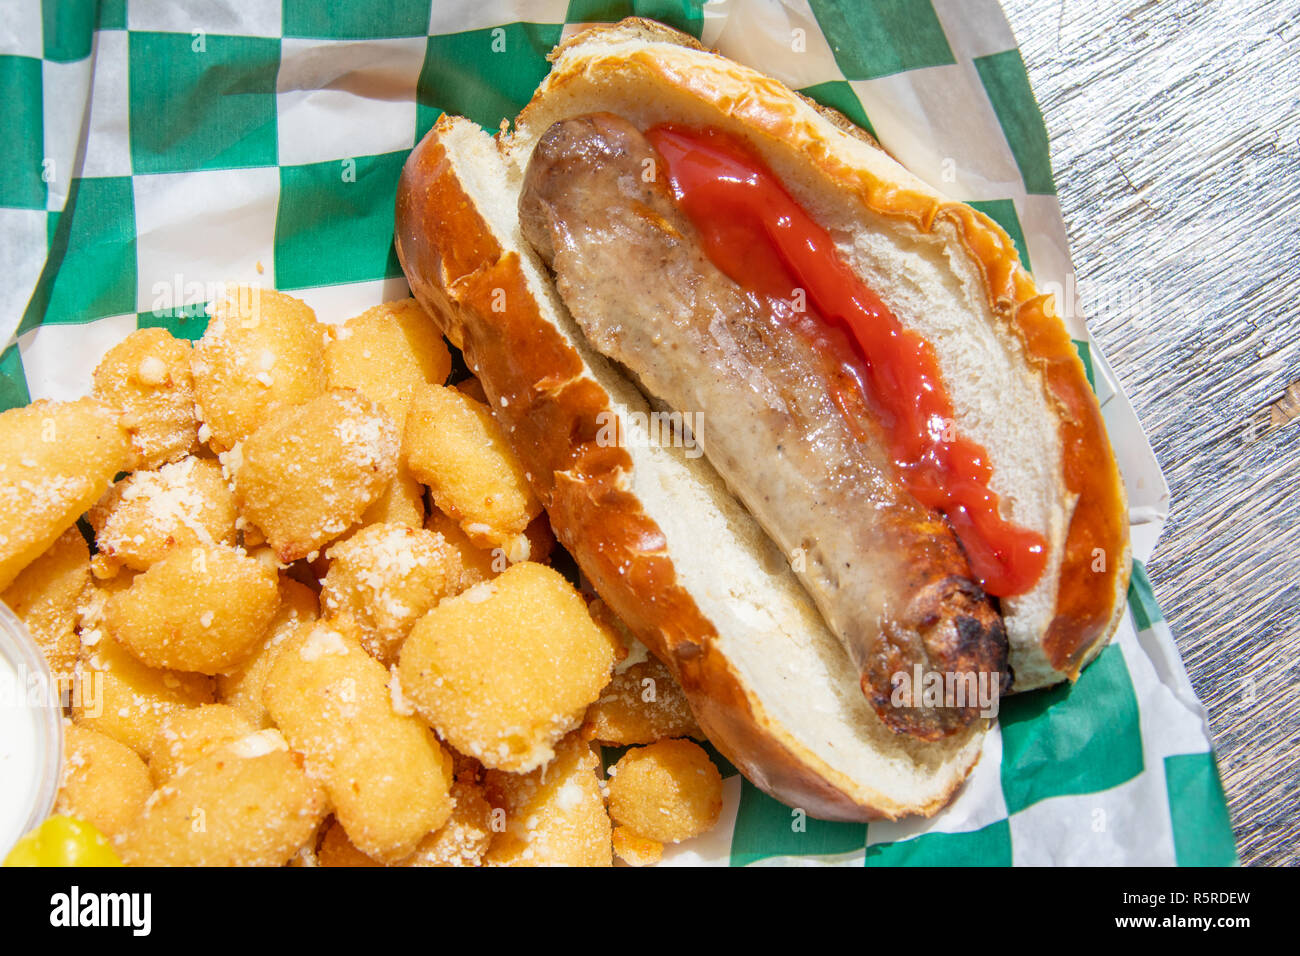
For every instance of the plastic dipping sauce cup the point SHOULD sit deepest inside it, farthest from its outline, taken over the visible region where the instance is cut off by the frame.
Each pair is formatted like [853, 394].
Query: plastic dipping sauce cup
[31, 733]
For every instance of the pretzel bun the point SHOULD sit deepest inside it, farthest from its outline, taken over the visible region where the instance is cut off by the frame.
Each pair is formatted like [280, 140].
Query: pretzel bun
[658, 534]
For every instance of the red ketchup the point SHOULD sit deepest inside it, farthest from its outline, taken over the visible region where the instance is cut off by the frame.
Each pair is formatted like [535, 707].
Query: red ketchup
[756, 233]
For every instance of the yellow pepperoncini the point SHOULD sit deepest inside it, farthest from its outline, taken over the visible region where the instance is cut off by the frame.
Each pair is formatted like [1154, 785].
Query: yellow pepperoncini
[63, 841]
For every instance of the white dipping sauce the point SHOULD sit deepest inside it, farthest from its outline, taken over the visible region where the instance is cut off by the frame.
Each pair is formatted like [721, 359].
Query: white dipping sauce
[31, 732]
[19, 746]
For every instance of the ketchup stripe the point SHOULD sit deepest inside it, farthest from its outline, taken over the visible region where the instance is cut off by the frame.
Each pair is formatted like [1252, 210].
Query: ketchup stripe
[758, 235]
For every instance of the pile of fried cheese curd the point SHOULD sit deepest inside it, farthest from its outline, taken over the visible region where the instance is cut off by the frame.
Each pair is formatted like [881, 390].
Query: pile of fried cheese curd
[316, 624]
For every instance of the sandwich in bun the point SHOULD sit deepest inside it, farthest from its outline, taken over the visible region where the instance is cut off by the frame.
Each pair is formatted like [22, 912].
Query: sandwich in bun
[905, 474]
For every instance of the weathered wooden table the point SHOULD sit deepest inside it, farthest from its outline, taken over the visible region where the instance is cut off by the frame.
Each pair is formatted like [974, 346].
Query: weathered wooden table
[1175, 132]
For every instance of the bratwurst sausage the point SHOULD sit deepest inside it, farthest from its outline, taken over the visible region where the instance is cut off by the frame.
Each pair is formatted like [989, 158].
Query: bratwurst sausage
[767, 386]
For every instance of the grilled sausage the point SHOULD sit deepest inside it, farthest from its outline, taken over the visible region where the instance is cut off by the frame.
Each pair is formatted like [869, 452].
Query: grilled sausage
[782, 418]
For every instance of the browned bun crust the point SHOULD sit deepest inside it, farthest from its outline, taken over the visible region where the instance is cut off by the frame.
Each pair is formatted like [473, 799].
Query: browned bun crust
[1094, 554]
[535, 382]
[541, 389]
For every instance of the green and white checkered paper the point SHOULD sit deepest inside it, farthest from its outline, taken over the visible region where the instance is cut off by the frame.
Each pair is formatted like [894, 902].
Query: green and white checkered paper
[153, 149]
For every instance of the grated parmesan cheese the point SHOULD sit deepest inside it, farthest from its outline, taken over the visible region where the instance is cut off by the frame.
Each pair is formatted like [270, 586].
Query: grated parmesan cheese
[259, 744]
[322, 641]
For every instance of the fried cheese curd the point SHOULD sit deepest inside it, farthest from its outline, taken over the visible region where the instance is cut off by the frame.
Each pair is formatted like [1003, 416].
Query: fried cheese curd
[462, 841]
[308, 474]
[113, 691]
[247, 802]
[276, 651]
[454, 445]
[46, 597]
[186, 736]
[58, 459]
[387, 775]
[385, 577]
[385, 353]
[505, 669]
[199, 609]
[642, 704]
[104, 782]
[667, 792]
[482, 563]
[119, 696]
[402, 502]
[148, 513]
[148, 376]
[262, 350]
[241, 686]
[476, 564]
[636, 850]
[553, 816]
